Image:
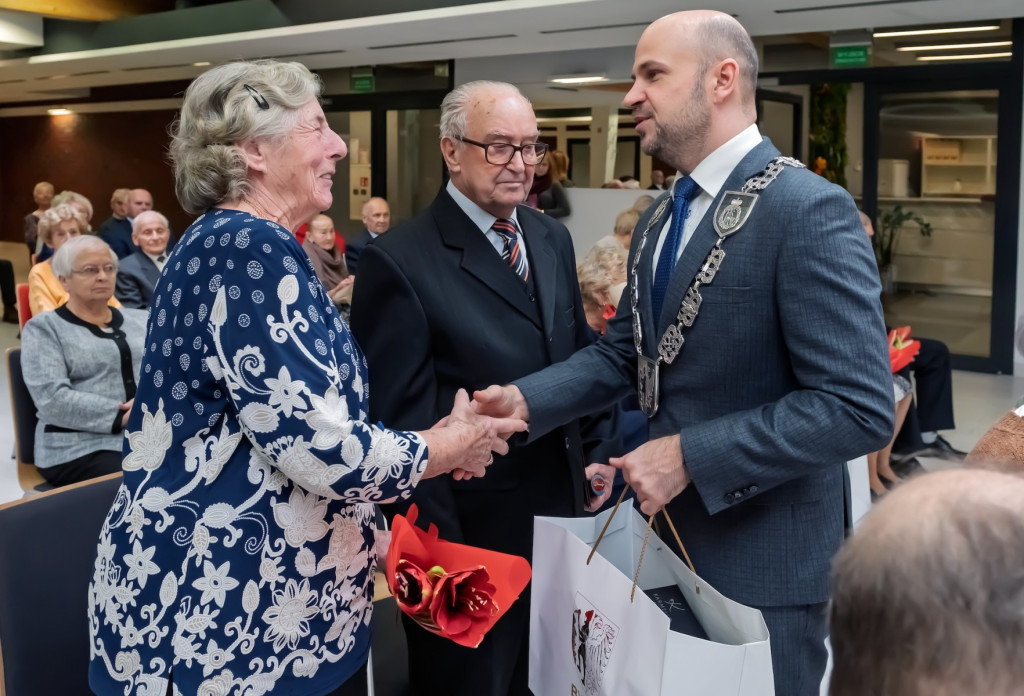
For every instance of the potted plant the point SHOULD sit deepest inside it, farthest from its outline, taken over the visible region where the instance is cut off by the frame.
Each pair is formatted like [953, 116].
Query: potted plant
[890, 223]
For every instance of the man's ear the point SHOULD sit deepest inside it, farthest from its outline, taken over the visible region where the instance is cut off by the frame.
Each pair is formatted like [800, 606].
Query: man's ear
[450, 152]
[255, 154]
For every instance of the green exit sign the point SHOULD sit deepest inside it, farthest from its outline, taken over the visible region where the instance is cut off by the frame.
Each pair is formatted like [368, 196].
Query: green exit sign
[851, 56]
[361, 83]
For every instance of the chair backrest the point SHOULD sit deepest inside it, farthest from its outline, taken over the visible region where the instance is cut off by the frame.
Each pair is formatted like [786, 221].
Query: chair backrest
[24, 311]
[23, 411]
[47, 551]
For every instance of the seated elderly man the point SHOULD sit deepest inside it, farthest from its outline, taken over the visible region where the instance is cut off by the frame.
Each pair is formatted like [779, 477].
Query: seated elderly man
[927, 597]
[56, 226]
[328, 261]
[139, 272]
[81, 364]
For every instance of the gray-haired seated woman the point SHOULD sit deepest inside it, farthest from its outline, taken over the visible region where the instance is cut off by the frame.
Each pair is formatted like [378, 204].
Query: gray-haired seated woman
[81, 362]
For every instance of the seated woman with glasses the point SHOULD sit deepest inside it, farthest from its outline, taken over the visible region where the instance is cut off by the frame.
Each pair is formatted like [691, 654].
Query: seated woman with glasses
[56, 226]
[81, 362]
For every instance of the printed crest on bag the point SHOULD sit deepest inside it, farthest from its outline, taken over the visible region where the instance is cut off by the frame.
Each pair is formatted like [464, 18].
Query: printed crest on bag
[593, 637]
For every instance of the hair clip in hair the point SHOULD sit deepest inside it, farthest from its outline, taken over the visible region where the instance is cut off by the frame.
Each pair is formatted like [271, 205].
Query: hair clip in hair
[257, 97]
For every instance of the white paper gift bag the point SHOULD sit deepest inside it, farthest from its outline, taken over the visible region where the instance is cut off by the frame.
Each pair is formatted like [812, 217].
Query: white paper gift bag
[588, 639]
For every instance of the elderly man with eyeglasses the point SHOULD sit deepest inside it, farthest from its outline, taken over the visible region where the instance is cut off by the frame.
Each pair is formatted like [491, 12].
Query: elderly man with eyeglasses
[139, 272]
[478, 289]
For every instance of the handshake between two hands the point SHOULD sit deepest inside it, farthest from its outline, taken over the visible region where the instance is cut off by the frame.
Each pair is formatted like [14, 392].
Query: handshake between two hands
[480, 428]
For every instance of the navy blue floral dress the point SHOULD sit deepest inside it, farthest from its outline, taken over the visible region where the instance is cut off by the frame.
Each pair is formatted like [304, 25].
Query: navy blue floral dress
[238, 554]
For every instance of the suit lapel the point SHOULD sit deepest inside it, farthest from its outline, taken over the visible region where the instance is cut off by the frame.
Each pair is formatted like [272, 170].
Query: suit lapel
[150, 269]
[705, 237]
[479, 258]
[543, 269]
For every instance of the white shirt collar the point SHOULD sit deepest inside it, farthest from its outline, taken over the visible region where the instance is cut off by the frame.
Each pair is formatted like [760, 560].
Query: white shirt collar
[714, 169]
[480, 217]
[154, 258]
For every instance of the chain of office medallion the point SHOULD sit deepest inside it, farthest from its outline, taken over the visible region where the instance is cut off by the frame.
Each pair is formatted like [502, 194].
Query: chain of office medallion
[671, 342]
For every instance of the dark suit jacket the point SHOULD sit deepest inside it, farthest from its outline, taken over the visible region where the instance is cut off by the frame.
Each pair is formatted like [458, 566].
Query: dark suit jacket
[354, 248]
[435, 309]
[783, 377]
[118, 234]
[137, 276]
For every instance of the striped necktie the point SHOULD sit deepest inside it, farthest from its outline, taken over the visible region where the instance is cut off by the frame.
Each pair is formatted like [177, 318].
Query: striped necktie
[512, 253]
[686, 189]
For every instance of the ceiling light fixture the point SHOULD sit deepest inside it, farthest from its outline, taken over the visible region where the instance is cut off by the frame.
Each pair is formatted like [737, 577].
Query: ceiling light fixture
[947, 47]
[201, 64]
[971, 56]
[577, 79]
[923, 32]
[59, 112]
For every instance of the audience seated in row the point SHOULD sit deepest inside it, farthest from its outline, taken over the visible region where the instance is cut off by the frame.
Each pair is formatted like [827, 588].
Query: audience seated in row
[57, 225]
[81, 364]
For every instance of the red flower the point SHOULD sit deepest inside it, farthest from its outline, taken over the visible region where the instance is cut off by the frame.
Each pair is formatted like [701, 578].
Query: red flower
[467, 589]
[902, 350]
[413, 588]
[462, 601]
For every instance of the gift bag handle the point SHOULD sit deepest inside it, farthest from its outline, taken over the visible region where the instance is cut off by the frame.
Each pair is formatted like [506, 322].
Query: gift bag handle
[643, 547]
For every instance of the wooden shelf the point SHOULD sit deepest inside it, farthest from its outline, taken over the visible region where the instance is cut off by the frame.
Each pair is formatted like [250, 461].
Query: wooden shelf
[967, 166]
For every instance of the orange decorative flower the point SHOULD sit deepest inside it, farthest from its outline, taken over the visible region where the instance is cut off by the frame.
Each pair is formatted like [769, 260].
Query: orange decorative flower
[465, 589]
[902, 350]
[820, 166]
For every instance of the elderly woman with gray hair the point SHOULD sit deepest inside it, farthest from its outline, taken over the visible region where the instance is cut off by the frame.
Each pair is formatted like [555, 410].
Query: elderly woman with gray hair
[238, 555]
[56, 226]
[81, 363]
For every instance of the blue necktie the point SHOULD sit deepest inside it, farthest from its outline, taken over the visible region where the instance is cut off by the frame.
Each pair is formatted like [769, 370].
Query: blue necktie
[685, 191]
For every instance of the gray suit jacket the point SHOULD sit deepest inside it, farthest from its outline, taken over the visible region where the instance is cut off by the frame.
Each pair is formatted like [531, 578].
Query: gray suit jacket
[136, 280]
[782, 379]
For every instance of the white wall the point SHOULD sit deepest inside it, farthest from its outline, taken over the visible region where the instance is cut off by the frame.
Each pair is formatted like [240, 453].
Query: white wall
[593, 213]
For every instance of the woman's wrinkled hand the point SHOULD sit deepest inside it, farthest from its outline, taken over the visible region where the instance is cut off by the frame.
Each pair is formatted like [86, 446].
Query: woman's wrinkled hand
[464, 442]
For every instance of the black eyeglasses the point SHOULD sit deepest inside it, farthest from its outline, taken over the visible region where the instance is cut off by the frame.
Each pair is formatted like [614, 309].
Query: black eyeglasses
[502, 153]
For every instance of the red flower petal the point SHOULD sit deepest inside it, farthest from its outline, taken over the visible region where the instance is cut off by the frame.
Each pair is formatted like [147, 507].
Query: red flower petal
[413, 589]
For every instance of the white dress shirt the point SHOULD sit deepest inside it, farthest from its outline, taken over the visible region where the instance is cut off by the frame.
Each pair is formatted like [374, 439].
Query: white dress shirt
[157, 260]
[482, 219]
[710, 175]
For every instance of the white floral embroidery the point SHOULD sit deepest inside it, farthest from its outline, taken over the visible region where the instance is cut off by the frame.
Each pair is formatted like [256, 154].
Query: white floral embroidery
[215, 583]
[302, 518]
[140, 563]
[288, 619]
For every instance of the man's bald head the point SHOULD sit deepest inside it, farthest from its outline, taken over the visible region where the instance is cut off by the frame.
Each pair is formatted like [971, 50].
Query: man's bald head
[716, 36]
[928, 595]
[139, 201]
[376, 215]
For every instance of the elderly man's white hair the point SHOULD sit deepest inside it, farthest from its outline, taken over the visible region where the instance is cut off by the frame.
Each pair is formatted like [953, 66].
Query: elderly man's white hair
[456, 104]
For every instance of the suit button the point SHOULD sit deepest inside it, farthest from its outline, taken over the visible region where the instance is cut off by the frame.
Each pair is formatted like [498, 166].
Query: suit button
[737, 495]
[753, 489]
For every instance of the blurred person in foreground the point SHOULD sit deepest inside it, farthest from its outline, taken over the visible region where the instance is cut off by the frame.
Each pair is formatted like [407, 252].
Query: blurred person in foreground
[238, 555]
[81, 364]
[927, 595]
[752, 335]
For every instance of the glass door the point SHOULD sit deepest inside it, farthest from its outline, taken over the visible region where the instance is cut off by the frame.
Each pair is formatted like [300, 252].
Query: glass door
[934, 214]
